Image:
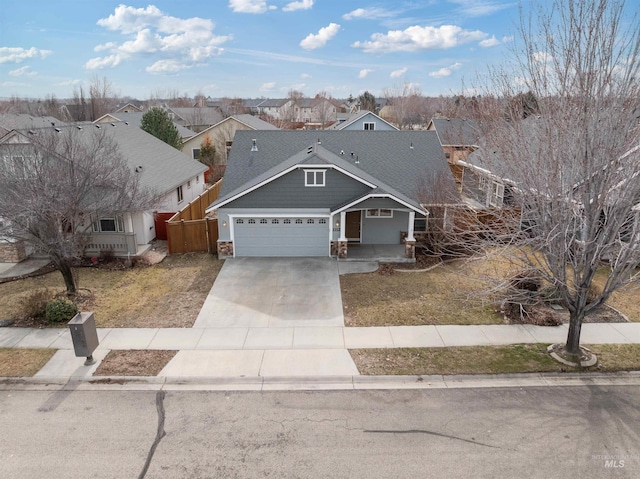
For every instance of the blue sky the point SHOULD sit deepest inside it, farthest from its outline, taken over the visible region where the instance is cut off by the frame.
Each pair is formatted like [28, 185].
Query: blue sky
[250, 48]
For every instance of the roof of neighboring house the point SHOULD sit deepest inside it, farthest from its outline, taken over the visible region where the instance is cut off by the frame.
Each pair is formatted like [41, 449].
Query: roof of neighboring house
[456, 131]
[273, 102]
[160, 166]
[133, 105]
[135, 118]
[20, 121]
[352, 118]
[204, 115]
[254, 122]
[398, 162]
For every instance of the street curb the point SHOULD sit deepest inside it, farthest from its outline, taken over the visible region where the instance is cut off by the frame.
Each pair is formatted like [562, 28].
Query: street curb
[315, 383]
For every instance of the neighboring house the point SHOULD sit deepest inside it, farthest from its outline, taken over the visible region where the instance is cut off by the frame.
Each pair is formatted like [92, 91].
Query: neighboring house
[21, 121]
[130, 107]
[459, 138]
[134, 118]
[315, 193]
[221, 136]
[195, 118]
[161, 168]
[363, 120]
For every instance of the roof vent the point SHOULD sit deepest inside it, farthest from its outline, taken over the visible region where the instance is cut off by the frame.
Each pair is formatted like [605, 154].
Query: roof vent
[58, 130]
[319, 142]
[342, 152]
[98, 126]
[411, 145]
[126, 123]
[79, 127]
[138, 168]
[310, 150]
[357, 160]
[254, 145]
[113, 124]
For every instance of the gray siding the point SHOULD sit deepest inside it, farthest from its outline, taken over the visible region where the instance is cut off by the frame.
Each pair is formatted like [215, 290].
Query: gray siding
[289, 191]
[378, 203]
[379, 125]
[384, 230]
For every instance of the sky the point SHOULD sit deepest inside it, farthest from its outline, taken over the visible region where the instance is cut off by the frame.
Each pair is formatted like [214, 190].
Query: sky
[250, 48]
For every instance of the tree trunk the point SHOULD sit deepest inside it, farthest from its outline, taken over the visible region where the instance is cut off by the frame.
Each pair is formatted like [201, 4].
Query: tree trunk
[69, 281]
[572, 346]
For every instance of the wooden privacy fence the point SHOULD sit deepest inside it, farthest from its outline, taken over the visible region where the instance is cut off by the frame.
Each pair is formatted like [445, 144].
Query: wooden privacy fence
[189, 231]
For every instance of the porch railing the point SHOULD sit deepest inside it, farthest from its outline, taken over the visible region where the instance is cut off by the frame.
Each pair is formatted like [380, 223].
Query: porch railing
[116, 243]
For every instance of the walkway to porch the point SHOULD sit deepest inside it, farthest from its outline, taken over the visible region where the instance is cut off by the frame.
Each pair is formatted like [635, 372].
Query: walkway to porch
[386, 253]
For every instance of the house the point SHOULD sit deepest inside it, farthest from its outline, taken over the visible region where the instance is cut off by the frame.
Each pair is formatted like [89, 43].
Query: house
[362, 120]
[195, 118]
[21, 121]
[134, 118]
[173, 176]
[130, 107]
[221, 136]
[323, 193]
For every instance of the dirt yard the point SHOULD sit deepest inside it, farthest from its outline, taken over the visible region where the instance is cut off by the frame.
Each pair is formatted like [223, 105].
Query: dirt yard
[165, 295]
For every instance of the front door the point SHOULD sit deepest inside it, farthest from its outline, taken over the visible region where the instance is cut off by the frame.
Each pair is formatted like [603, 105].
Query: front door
[352, 226]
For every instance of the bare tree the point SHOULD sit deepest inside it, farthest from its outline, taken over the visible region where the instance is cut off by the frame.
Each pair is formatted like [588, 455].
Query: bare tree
[405, 102]
[574, 165]
[325, 110]
[52, 180]
[102, 96]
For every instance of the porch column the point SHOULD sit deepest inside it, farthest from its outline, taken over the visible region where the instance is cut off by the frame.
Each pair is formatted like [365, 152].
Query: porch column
[410, 241]
[342, 240]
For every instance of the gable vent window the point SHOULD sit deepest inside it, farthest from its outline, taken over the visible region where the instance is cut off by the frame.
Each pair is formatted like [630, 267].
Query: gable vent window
[369, 126]
[314, 177]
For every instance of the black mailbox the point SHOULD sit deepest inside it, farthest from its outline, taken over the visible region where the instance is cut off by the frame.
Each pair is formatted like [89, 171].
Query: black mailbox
[84, 336]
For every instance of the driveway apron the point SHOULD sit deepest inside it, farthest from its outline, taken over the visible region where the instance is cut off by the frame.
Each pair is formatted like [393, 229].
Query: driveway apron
[274, 292]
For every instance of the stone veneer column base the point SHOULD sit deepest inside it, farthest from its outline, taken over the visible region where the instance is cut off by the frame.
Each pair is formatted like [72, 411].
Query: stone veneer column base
[225, 249]
[342, 249]
[410, 249]
[12, 252]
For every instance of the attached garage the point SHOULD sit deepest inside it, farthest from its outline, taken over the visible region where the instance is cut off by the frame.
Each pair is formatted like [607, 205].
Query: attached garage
[278, 236]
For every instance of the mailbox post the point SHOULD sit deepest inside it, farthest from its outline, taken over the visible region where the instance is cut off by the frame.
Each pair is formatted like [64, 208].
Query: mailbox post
[84, 336]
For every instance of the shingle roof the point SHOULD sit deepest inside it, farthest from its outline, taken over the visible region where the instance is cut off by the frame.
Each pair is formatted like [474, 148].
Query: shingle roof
[205, 115]
[135, 118]
[399, 161]
[456, 131]
[19, 121]
[163, 167]
[255, 122]
[355, 117]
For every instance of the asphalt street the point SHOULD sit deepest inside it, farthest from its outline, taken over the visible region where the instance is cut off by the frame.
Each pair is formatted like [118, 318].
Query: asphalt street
[579, 431]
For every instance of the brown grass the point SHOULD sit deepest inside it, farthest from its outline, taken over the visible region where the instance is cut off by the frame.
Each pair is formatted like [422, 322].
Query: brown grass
[445, 295]
[23, 362]
[168, 294]
[135, 362]
[517, 358]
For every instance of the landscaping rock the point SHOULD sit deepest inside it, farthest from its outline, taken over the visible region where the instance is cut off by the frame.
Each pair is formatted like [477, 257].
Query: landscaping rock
[6, 322]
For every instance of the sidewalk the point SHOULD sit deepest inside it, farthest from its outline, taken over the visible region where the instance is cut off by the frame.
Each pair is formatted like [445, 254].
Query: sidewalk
[288, 352]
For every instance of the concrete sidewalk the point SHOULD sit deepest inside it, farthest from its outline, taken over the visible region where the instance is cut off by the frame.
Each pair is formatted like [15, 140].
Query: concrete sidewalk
[292, 352]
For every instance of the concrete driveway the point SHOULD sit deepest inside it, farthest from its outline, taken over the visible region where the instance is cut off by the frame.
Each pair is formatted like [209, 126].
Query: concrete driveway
[274, 292]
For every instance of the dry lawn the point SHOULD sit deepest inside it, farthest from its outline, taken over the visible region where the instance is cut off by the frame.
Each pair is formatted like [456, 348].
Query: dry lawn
[517, 358]
[168, 294]
[23, 362]
[135, 362]
[447, 294]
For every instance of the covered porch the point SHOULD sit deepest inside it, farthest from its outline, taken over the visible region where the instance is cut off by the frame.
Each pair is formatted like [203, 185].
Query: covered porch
[385, 253]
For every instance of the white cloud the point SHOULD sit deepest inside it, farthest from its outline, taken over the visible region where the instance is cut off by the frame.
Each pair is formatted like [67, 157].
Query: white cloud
[364, 72]
[269, 86]
[305, 75]
[480, 8]
[180, 43]
[446, 71]
[297, 87]
[417, 38]
[24, 71]
[398, 73]
[367, 14]
[250, 6]
[489, 42]
[69, 82]
[18, 54]
[299, 5]
[311, 42]
[507, 39]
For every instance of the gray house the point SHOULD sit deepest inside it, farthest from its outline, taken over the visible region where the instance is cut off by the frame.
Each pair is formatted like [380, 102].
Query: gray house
[322, 193]
[362, 120]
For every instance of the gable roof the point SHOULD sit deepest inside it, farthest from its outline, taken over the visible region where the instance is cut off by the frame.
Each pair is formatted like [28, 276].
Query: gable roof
[356, 117]
[160, 167]
[21, 121]
[134, 118]
[251, 121]
[394, 161]
[205, 115]
[456, 131]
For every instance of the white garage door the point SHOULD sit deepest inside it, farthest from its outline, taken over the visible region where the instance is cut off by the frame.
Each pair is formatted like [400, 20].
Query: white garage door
[281, 236]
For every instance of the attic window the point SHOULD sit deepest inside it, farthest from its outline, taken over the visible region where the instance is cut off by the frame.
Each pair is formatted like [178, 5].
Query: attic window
[369, 126]
[314, 177]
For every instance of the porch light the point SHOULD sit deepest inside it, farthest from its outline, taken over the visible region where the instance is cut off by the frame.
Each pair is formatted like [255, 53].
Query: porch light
[337, 224]
[224, 224]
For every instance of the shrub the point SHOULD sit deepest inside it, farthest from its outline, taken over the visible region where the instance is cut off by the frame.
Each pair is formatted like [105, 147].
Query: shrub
[60, 310]
[35, 304]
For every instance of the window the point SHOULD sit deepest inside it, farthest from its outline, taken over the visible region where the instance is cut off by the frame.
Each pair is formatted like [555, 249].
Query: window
[275, 222]
[322, 221]
[197, 179]
[314, 177]
[497, 194]
[287, 222]
[298, 222]
[189, 184]
[180, 194]
[196, 153]
[482, 182]
[252, 221]
[239, 221]
[310, 221]
[420, 225]
[379, 213]
[114, 224]
[369, 126]
[263, 221]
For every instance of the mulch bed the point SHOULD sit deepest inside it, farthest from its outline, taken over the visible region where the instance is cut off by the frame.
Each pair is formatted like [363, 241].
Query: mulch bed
[134, 362]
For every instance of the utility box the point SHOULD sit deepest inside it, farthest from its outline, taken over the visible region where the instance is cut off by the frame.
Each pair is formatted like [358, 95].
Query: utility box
[84, 335]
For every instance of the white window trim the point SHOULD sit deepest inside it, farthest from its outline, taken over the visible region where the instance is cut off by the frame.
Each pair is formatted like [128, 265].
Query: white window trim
[496, 195]
[118, 221]
[369, 123]
[315, 183]
[193, 153]
[180, 192]
[378, 215]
